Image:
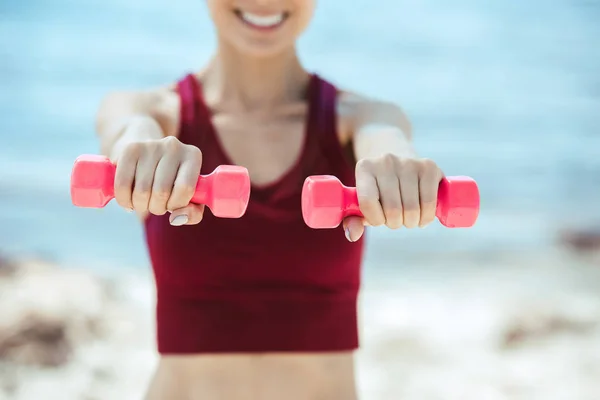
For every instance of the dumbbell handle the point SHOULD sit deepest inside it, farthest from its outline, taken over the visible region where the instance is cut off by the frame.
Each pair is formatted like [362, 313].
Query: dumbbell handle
[107, 182]
[351, 207]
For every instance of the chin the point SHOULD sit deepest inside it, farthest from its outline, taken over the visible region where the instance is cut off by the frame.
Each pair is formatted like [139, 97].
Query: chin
[263, 50]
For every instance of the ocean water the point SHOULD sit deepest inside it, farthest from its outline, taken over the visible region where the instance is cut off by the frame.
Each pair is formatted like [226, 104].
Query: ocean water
[506, 92]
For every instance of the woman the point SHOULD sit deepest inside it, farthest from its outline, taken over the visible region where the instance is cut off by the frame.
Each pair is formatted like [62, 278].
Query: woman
[260, 307]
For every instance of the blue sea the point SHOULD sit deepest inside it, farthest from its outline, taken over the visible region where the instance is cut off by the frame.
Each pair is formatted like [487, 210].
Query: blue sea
[506, 92]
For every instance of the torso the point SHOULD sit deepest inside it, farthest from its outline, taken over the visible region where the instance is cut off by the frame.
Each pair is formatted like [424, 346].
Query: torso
[265, 144]
[269, 146]
[328, 376]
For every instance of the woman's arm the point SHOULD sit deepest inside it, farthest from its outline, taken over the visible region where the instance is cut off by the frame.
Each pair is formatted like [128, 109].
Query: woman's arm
[395, 187]
[155, 172]
[126, 117]
[375, 127]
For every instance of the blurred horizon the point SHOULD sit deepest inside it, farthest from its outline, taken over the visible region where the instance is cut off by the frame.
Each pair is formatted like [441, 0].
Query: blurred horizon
[506, 93]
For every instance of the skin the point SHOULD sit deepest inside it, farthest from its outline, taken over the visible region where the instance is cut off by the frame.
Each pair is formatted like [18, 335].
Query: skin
[260, 124]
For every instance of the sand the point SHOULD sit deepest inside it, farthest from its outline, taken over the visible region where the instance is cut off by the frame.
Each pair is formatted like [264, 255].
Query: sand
[516, 327]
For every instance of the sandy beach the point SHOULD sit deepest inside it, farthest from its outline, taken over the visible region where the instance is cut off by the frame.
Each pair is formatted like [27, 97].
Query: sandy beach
[521, 327]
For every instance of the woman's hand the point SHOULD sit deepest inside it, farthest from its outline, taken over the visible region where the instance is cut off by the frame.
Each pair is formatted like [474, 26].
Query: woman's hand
[395, 192]
[159, 176]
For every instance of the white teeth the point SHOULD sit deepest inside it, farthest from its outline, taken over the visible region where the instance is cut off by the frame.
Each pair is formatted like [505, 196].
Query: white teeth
[264, 21]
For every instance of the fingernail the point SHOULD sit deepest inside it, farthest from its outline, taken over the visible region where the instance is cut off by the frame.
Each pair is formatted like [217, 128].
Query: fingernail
[347, 232]
[129, 210]
[179, 220]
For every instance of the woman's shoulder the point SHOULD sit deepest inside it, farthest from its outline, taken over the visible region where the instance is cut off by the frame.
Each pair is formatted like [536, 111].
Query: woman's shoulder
[160, 102]
[355, 110]
[155, 98]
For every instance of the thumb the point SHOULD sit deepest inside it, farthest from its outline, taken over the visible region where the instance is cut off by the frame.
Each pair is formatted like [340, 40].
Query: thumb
[188, 215]
[354, 227]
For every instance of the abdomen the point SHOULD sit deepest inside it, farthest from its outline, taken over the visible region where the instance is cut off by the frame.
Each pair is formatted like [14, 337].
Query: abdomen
[261, 377]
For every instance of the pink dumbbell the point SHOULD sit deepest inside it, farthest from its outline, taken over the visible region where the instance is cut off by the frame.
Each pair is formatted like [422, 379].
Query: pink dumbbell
[226, 190]
[326, 202]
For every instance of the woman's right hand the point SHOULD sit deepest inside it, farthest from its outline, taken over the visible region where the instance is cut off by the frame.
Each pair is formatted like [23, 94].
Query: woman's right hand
[159, 176]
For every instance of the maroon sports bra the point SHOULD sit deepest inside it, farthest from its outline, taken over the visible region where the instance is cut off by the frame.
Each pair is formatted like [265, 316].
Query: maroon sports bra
[264, 282]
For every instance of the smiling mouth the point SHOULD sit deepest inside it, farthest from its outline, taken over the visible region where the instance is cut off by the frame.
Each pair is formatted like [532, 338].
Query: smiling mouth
[262, 22]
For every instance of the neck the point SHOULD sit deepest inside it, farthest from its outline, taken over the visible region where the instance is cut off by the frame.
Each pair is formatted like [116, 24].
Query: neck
[233, 79]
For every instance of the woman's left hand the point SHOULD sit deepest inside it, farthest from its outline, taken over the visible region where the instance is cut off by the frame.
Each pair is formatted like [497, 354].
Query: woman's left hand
[395, 192]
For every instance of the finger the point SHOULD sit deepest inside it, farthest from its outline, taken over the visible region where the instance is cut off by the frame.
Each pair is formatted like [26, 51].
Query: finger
[164, 178]
[409, 192]
[368, 198]
[391, 202]
[354, 228]
[124, 177]
[142, 186]
[189, 215]
[428, 192]
[185, 183]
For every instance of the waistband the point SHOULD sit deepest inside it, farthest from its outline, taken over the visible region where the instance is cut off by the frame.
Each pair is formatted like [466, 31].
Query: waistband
[256, 324]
